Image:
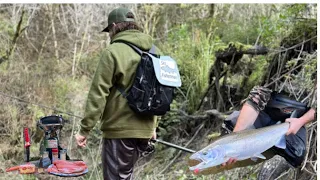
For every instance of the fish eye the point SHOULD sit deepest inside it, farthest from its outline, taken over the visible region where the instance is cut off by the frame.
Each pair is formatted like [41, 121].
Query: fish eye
[212, 153]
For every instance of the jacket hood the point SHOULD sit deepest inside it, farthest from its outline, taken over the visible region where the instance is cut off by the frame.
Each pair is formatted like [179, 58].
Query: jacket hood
[135, 37]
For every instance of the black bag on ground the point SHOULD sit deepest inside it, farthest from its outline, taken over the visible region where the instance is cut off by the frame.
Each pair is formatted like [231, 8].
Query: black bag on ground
[280, 107]
[147, 96]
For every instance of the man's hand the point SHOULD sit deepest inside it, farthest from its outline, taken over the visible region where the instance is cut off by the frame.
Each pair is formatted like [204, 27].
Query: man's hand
[81, 140]
[295, 125]
[230, 161]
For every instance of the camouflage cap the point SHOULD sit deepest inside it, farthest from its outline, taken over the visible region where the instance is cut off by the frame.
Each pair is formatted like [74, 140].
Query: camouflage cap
[118, 15]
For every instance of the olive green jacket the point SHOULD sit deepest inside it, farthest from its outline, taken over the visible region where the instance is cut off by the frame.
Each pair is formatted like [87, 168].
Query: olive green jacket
[117, 66]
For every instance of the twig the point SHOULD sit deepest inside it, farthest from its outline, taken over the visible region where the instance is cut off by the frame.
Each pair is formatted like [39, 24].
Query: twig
[300, 93]
[72, 133]
[205, 95]
[229, 98]
[54, 33]
[42, 45]
[297, 45]
[283, 85]
[307, 97]
[292, 89]
[172, 161]
[283, 174]
[140, 168]
[305, 162]
[314, 167]
[312, 173]
[220, 99]
[211, 112]
[288, 72]
[181, 92]
[92, 153]
[302, 46]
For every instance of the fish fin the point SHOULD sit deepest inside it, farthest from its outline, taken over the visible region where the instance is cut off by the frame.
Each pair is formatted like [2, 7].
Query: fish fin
[281, 142]
[256, 156]
[259, 156]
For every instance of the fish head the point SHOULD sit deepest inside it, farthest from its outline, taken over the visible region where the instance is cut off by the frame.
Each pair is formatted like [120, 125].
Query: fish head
[208, 158]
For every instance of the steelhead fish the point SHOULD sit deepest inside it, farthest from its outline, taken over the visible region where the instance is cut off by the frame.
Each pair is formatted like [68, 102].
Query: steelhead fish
[240, 145]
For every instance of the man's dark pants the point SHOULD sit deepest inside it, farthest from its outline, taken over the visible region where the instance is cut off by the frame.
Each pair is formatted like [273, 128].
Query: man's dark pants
[119, 157]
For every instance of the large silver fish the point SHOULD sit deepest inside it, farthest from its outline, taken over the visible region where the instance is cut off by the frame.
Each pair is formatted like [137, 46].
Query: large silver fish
[240, 145]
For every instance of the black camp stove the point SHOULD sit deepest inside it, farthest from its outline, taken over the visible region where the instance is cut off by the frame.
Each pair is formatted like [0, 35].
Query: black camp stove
[51, 125]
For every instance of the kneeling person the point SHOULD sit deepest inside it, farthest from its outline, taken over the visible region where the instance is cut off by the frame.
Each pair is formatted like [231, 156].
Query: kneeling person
[264, 108]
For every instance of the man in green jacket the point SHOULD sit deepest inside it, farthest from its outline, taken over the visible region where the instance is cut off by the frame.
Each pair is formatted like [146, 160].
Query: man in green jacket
[125, 133]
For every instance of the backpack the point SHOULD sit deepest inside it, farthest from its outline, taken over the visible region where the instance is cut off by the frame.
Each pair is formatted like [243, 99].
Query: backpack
[153, 88]
[280, 107]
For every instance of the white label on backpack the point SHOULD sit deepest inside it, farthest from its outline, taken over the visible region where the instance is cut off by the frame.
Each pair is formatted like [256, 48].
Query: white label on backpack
[166, 71]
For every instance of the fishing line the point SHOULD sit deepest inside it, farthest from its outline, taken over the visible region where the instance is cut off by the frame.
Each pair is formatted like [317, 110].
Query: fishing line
[39, 105]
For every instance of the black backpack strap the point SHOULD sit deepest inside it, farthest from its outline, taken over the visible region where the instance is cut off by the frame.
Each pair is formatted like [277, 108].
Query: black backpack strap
[122, 91]
[139, 51]
[135, 48]
[153, 49]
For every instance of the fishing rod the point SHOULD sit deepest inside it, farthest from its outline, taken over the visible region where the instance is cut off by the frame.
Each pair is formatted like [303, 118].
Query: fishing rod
[39, 105]
[47, 107]
[173, 145]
